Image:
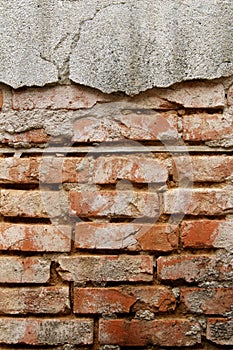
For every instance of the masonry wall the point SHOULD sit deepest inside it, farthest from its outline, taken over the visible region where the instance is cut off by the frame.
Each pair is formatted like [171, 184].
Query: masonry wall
[116, 226]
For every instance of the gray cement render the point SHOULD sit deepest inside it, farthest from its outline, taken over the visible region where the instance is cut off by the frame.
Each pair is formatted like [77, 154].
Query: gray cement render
[115, 45]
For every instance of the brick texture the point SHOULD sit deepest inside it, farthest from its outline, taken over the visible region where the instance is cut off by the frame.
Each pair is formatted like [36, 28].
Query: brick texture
[121, 235]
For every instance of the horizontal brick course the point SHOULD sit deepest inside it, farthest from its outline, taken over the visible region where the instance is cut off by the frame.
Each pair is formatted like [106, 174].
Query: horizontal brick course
[142, 333]
[129, 236]
[44, 238]
[46, 331]
[83, 268]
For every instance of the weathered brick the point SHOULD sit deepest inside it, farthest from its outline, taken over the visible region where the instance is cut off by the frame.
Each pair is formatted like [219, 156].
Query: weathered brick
[151, 99]
[220, 331]
[24, 270]
[46, 331]
[195, 94]
[156, 332]
[45, 238]
[121, 300]
[108, 170]
[57, 97]
[202, 168]
[133, 126]
[153, 298]
[206, 127]
[106, 268]
[36, 204]
[34, 136]
[130, 236]
[198, 201]
[210, 301]
[207, 234]
[114, 204]
[44, 170]
[40, 300]
[194, 268]
[102, 300]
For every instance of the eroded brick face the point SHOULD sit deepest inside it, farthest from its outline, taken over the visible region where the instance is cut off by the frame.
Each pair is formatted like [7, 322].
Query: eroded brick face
[116, 226]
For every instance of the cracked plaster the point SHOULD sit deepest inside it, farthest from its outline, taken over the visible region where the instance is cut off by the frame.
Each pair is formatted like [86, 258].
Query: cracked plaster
[114, 45]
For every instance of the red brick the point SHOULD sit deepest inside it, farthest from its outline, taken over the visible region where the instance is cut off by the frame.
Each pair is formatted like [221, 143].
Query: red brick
[121, 300]
[220, 331]
[45, 238]
[218, 301]
[202, 168]
[198, 201]
[114, 204]
[57, 97]
[101, 300]
[35, 204]
[206, 127]
[46, 331]
[44, 170]
[153, 298]
[40, 300]
[207, 234]
[142, 333]
[193, 268]
[15, 269]
[35, 136]
[83, 268]
[133, 237]
[151, 99]
[131, 126]
[108, 170]
[195, 94]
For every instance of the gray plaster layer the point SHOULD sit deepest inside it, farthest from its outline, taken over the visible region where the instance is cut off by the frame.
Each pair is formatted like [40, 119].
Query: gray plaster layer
[115, 45]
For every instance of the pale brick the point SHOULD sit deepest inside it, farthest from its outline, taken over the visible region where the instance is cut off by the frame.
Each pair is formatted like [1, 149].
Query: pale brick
[57, 97]
[114, 204]
[45, 238]
[135, 237]
[106, 268]
[39, 300]
[46, 331]
[14, 269]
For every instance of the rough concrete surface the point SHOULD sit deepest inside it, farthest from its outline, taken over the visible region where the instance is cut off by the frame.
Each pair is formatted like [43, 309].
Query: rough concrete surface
[115, 45]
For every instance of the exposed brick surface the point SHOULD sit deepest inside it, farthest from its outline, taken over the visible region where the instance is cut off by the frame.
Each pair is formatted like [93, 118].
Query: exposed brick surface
[138, 127]
[198, 201]
[193, 268]
[57, 97]
[34, 136]
[207, 234]
[108, 170]
[210, 301]
[130, 236]
[126, 246]
[203, 168]
[33, 238]
[142, 333]
[40, 300]
[15, 269]
[34, 204]
[106, 268]
[220, 331]
[122, 300]
[206, 127]
[46, 331]
[112, 204]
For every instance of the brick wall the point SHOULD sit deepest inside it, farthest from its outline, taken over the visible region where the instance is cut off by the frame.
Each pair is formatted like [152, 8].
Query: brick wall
[116, 227]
